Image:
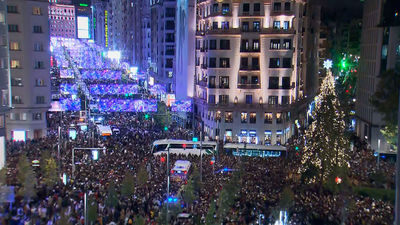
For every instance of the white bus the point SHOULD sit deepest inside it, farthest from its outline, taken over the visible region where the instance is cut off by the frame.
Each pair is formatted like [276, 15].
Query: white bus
[183, 147]
[181, 170]
[239, 149]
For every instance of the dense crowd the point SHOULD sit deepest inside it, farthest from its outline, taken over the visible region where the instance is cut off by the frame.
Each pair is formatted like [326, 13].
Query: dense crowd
[260, 187]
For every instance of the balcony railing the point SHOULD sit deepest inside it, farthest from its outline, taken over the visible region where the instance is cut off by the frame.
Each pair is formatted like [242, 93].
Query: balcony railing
[277, 31]
[249, 86]
[249, 50]
[247, 68]
[282, 12]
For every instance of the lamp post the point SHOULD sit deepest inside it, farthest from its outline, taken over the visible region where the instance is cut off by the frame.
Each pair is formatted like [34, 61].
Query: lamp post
[168, 174]
[397, 206]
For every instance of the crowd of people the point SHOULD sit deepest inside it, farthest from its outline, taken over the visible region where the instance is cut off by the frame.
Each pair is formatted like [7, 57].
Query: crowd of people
[257, 201]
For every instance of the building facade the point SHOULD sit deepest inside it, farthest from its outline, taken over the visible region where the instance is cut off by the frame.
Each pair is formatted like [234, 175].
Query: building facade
[380, 51]
[62, 21]
[28, 33]
[5, 89]
[249, 78]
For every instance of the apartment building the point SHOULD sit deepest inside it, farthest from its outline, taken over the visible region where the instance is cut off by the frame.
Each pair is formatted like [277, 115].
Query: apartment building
[62, 21]
[28, 36]
[250, 68]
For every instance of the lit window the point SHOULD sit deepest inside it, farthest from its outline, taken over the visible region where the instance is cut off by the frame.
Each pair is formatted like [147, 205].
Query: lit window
[37, 11]
[15, 64]
[14, 46]
[243, 117]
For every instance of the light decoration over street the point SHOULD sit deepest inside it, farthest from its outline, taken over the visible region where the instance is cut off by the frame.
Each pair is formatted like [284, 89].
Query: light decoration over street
[328, 64]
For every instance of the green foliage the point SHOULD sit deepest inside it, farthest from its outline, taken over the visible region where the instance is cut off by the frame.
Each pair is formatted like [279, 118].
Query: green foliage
[390, 134]
[332, 186]
[3, 176]
[210, 219]
[63, 218]
[287, 199]
[92, 209]
[45, 155]
[142, 176]
[227, 196]
[163, 117]
[174, 210]
[50, 173]
[139, 220]
[195, 176]
[26, 177]
[22, 167]
[376, 193]
[378, 179]
[188, 193]
[112, 198]
[128, 184]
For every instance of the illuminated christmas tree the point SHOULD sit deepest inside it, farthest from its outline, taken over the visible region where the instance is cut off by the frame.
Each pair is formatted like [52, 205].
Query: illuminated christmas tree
[326, 142]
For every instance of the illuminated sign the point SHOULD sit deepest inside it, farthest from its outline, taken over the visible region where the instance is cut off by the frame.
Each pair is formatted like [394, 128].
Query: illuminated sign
[83, 27]
[83, 5]
[106, 26]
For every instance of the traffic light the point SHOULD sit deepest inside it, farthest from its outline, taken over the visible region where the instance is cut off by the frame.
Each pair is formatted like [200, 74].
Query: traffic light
[297, 148]
[162, 159]
[165, 128]
[146, 116]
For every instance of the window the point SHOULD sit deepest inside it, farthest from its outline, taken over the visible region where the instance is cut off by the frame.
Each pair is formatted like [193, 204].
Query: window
[256, 45]
[228, 117]
[213, 44]
[245, 45]
[211, 82]
[243, 79]
[218, 116]
[246, 7]
[287, 44]
[15, 64]
[169, 37]
[245, 26]
[38, 47]
[268, 118]
[243, 117]
[40, 100]
[277, 24]
[13, 28]
[244, 63]
[275, 44]
[12, 9]
[224, 99]
[39, 82]
[215, 25]
[170, 25]
[36, 116]
[285, 100]
[16, 82]
[16, 99]
[249, 99]
[215, 7]
[287, 63]
[278, 117]
[2, 17]
[224, 44]
[225, 25]
[277, 6]
[255, 63]
[273, 82]
[274, 63]
[224, 82]
[169, 63]
[14, 46]
[257, 7]
[253, 117]
[213, 63]
[225, 8]
[37, 29]
[170, 12]
[287, 6]
[169, 50]
[285, 25]
[254, 79]
[211, 99]
[286, 82]
[39, 65]
[256, 26]
[37, 11]
[170, 74]
[273, 100]
[224, 63]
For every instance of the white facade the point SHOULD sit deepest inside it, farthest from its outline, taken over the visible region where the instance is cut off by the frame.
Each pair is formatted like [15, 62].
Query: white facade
[248, 69]
[28, 32]
[62, 21]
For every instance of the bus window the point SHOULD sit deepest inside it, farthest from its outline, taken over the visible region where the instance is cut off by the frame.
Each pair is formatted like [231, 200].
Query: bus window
[158, 148]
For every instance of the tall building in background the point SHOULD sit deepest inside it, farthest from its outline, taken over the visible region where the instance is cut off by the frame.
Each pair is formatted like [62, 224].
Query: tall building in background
[62, 20]
[5, 89]
[28, 32]
[380, 51]
[250, 72]
[163, 48]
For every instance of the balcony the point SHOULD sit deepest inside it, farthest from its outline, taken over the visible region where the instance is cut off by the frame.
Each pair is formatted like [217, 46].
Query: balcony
[223, 31]
[202, 83]
[249, 86]
[223, 86]
[277, 31]
[250, 68]
[204, 66]
[251, 14]
[282, 13]
[218, 13]
[249, 50]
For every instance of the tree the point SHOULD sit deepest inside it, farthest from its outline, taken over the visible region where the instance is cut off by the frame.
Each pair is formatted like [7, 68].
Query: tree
[162, 118]
[64, 218]
[50, 174]
[27, 189]
[210, 217]
[142, 176]
[3, 176]
[22, 168]
[386, 101]
[227, 196]
[92, 209]
[326, 144]
[188, 193]
[128, 184]
[287, 199]
[112, 198]
[139, 220]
